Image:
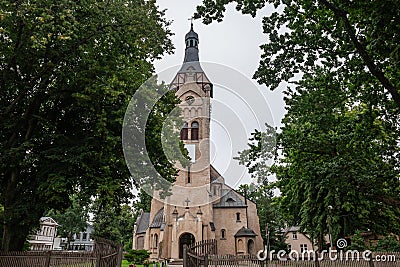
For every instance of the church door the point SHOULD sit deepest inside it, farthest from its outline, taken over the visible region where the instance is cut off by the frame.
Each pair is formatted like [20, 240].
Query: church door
[186, 238]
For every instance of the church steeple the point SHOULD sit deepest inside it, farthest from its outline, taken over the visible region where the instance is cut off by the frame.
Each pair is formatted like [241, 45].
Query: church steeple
[191, 70]
[192, 45]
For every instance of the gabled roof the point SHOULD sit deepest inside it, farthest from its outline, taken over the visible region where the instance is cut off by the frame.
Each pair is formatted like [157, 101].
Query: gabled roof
[216, 177]
[142, 223]
[158, 219]
[229, 199]
[291, 229]
[48, 221]
[245, 232]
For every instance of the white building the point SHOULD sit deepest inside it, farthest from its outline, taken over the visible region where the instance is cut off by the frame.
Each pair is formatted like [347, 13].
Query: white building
[44, 238]
[83, 240]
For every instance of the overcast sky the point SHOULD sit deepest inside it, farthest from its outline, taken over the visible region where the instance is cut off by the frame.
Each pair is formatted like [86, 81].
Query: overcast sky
[230, 52]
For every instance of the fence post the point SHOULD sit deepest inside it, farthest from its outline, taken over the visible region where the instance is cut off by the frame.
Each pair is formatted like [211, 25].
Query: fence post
[371, 262]
[98, 256]
[48, 257]
[119, 259]
[316, 261]
[185, 255]
[206, 260]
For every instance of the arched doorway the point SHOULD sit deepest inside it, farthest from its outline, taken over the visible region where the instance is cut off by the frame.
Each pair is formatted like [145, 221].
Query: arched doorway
[250, 247]
[186, 238]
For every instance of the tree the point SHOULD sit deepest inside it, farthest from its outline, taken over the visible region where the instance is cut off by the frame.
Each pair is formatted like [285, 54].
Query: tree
[389, 243]
[339, 143]
[341, 154]
[356, 40]
[336, 153]
[114, 223]
[71, 221]
[68, 71]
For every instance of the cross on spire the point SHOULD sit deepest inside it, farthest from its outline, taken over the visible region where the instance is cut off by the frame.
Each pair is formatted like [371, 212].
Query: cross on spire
[191, 22]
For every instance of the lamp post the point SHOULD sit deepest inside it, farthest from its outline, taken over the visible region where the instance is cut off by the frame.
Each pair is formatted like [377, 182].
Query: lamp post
[330, 226]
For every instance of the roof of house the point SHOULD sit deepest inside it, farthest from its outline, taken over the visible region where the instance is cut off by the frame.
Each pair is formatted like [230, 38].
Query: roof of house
[243, 232]
[158, 219]
[229, 199]
[143, 223]
[291, 229]
[48, 221]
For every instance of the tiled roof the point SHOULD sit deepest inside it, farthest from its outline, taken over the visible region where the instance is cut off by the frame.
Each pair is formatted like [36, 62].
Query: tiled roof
[143, 223]
[245, 232]
[158, 219]
[229, 199]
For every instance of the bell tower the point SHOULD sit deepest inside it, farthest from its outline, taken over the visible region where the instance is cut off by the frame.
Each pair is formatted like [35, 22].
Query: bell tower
[194, 89]
[193, 212]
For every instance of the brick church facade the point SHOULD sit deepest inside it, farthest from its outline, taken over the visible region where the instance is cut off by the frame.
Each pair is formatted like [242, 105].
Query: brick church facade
[201, 206]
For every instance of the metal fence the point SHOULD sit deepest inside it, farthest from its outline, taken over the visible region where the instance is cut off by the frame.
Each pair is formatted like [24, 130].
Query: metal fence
[105, 254]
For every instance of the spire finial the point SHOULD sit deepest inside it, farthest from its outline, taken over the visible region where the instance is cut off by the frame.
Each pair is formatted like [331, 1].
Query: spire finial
[191, 22]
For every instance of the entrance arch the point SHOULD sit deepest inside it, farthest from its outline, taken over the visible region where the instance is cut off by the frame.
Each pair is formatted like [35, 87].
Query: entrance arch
[185, 238]
[250, 247]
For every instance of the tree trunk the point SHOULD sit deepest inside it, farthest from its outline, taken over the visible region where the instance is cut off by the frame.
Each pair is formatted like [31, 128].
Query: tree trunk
[14, 237]
[18, 217]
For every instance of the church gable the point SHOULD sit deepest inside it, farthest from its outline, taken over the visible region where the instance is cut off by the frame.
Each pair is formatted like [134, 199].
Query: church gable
[142, 223]
[158, 219]
[229, 199]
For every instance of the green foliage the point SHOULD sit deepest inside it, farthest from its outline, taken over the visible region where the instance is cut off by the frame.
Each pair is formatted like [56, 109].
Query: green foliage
[258, 158]
[339, 144]
[113, 223]
[340, 154]
[137, 256]
[390, 243]
[355, 40]
[68, 72]
[73, 220]
[357, 242]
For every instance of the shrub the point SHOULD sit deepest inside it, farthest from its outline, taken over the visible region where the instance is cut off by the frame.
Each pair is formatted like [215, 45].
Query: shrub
[137, 256]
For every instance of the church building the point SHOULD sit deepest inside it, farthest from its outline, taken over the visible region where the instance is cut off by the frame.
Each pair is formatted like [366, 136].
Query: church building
[201, 206]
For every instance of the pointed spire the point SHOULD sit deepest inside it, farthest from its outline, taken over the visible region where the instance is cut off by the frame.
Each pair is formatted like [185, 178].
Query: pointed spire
[192, 45]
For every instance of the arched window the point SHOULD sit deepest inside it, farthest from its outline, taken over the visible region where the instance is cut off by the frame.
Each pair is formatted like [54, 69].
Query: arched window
[223, 234]
[238, 216]
[184, 132]
[195, 131]
[155, 241]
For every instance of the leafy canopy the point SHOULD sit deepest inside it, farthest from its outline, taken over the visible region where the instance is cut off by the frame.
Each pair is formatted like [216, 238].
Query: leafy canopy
[68, 70]
[355, 39]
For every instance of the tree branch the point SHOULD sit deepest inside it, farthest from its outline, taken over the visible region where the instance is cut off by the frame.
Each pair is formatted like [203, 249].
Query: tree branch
[375, 71]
